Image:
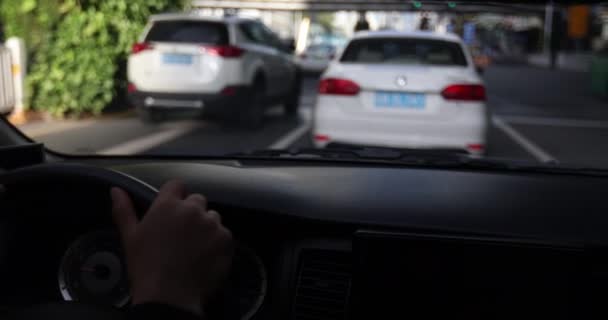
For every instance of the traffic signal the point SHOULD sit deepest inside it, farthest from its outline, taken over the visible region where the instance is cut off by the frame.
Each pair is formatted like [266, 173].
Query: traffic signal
[417, 4]
[451, 4]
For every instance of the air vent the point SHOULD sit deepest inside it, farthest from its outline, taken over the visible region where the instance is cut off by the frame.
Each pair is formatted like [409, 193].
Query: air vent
[323, 285]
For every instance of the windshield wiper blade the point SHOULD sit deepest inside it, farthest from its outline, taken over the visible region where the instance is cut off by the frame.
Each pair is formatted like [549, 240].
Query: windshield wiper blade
[364, 153]
[442, 158]
[301, 153]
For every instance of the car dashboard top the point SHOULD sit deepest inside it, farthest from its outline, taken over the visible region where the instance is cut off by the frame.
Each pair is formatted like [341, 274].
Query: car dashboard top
[318, 241]
[541, 206]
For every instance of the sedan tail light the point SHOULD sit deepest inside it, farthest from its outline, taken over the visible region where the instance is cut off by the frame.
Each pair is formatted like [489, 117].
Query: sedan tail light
[464, 92]
[141, 46]
[338, 87]
[224, 51]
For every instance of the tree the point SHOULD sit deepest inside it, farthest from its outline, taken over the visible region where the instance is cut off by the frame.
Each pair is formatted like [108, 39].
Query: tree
[78, 48]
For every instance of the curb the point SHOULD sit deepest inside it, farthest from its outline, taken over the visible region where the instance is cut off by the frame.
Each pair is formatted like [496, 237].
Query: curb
[32, 117]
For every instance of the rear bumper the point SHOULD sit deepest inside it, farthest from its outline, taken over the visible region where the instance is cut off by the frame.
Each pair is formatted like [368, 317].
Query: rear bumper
[312, 66]
[208, 104]
[464, 132]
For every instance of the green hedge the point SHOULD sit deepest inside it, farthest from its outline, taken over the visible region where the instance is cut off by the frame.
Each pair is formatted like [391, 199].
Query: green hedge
[78, 48]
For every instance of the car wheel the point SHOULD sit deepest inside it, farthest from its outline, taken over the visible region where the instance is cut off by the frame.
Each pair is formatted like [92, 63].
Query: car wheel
[148, 115]
[292, 102]
[252, 116]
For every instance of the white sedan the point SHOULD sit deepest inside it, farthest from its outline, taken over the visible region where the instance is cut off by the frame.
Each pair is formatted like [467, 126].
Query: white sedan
[403, 90]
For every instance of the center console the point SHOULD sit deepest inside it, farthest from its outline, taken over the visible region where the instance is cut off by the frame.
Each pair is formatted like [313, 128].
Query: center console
[398, 275]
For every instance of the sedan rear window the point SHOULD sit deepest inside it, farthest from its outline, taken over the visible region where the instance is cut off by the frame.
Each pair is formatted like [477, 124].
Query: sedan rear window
[188, 31]
[404, 51]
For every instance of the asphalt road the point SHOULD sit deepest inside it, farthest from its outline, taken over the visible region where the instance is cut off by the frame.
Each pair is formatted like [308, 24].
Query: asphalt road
[537, 115]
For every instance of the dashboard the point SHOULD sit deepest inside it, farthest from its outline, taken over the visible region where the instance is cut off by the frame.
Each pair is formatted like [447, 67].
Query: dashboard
[322, 241]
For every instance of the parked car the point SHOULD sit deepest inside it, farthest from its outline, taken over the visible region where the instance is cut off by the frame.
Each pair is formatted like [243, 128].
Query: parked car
[482, 58]
[402, 89]
[316, 57]
[229, 67]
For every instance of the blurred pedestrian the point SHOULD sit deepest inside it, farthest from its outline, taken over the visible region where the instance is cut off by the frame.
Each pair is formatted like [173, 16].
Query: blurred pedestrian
[362, 23]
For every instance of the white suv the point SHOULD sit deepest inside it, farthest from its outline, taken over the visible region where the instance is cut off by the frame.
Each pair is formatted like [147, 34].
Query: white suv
[229, 67]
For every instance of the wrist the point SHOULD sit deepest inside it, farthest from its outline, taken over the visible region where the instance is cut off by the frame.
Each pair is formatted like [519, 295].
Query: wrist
[194, 308]
[154, 310]
[175, 298]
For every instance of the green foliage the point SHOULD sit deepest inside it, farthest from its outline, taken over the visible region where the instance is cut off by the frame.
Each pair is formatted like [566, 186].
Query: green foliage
[78, 48]
[29, 19]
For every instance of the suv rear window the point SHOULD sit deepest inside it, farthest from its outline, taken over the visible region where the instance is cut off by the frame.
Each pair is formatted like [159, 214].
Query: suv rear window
[404, 51]
[188, 31]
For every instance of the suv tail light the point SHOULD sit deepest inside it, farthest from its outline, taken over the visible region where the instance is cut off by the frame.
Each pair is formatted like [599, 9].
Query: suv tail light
[322, 137]
[339, 87]
[464, 92]
[228, 91]
[224, 51]
[141, 46]
[131, 87]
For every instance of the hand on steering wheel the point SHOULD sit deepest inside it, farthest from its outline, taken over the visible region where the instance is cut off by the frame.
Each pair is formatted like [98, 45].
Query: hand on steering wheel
[179, 253]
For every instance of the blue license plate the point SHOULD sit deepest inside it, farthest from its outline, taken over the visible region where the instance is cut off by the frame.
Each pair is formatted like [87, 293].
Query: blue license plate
[183, 59]
[386, 99]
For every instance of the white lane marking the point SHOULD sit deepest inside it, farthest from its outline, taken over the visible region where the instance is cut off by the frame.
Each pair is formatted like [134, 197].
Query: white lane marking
[46, 128]
[150, 141]
[556, 122]
[295, 134]
[540, 154]
[545, 121]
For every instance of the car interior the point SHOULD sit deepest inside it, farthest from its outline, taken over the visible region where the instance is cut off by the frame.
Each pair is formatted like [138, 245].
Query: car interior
[354, 233]
[320, 239]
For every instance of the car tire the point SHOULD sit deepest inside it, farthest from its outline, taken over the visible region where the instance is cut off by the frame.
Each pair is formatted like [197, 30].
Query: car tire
[252, 116]
[148, 115]
[292, 102]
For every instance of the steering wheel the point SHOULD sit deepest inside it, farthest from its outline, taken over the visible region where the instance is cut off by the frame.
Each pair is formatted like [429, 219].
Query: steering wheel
[141, 193]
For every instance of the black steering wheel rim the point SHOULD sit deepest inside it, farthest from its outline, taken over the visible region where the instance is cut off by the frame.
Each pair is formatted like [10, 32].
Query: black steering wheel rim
[141, 194]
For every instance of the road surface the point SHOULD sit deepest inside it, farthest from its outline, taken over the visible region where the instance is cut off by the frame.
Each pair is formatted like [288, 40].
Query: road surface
[537, 114]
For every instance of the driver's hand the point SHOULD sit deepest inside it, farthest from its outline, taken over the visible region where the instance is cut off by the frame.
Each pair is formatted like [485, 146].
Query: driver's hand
[179, 253]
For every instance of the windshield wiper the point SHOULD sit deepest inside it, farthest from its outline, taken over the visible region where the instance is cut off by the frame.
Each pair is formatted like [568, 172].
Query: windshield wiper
[367, 153]
[446, 157]
[441, 158]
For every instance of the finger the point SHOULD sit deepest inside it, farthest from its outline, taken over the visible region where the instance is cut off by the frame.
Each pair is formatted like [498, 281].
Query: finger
[197, 199]
[123, 212]
[213, 216]
[172, 189]
[225, 241]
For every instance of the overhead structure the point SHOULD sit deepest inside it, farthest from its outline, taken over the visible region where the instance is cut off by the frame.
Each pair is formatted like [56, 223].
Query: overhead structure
[370, 5]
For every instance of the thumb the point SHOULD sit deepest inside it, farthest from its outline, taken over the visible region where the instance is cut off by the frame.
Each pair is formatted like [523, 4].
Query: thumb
[123, 213]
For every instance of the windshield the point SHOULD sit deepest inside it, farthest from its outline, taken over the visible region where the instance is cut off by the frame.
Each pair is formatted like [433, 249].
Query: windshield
[501, 81]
